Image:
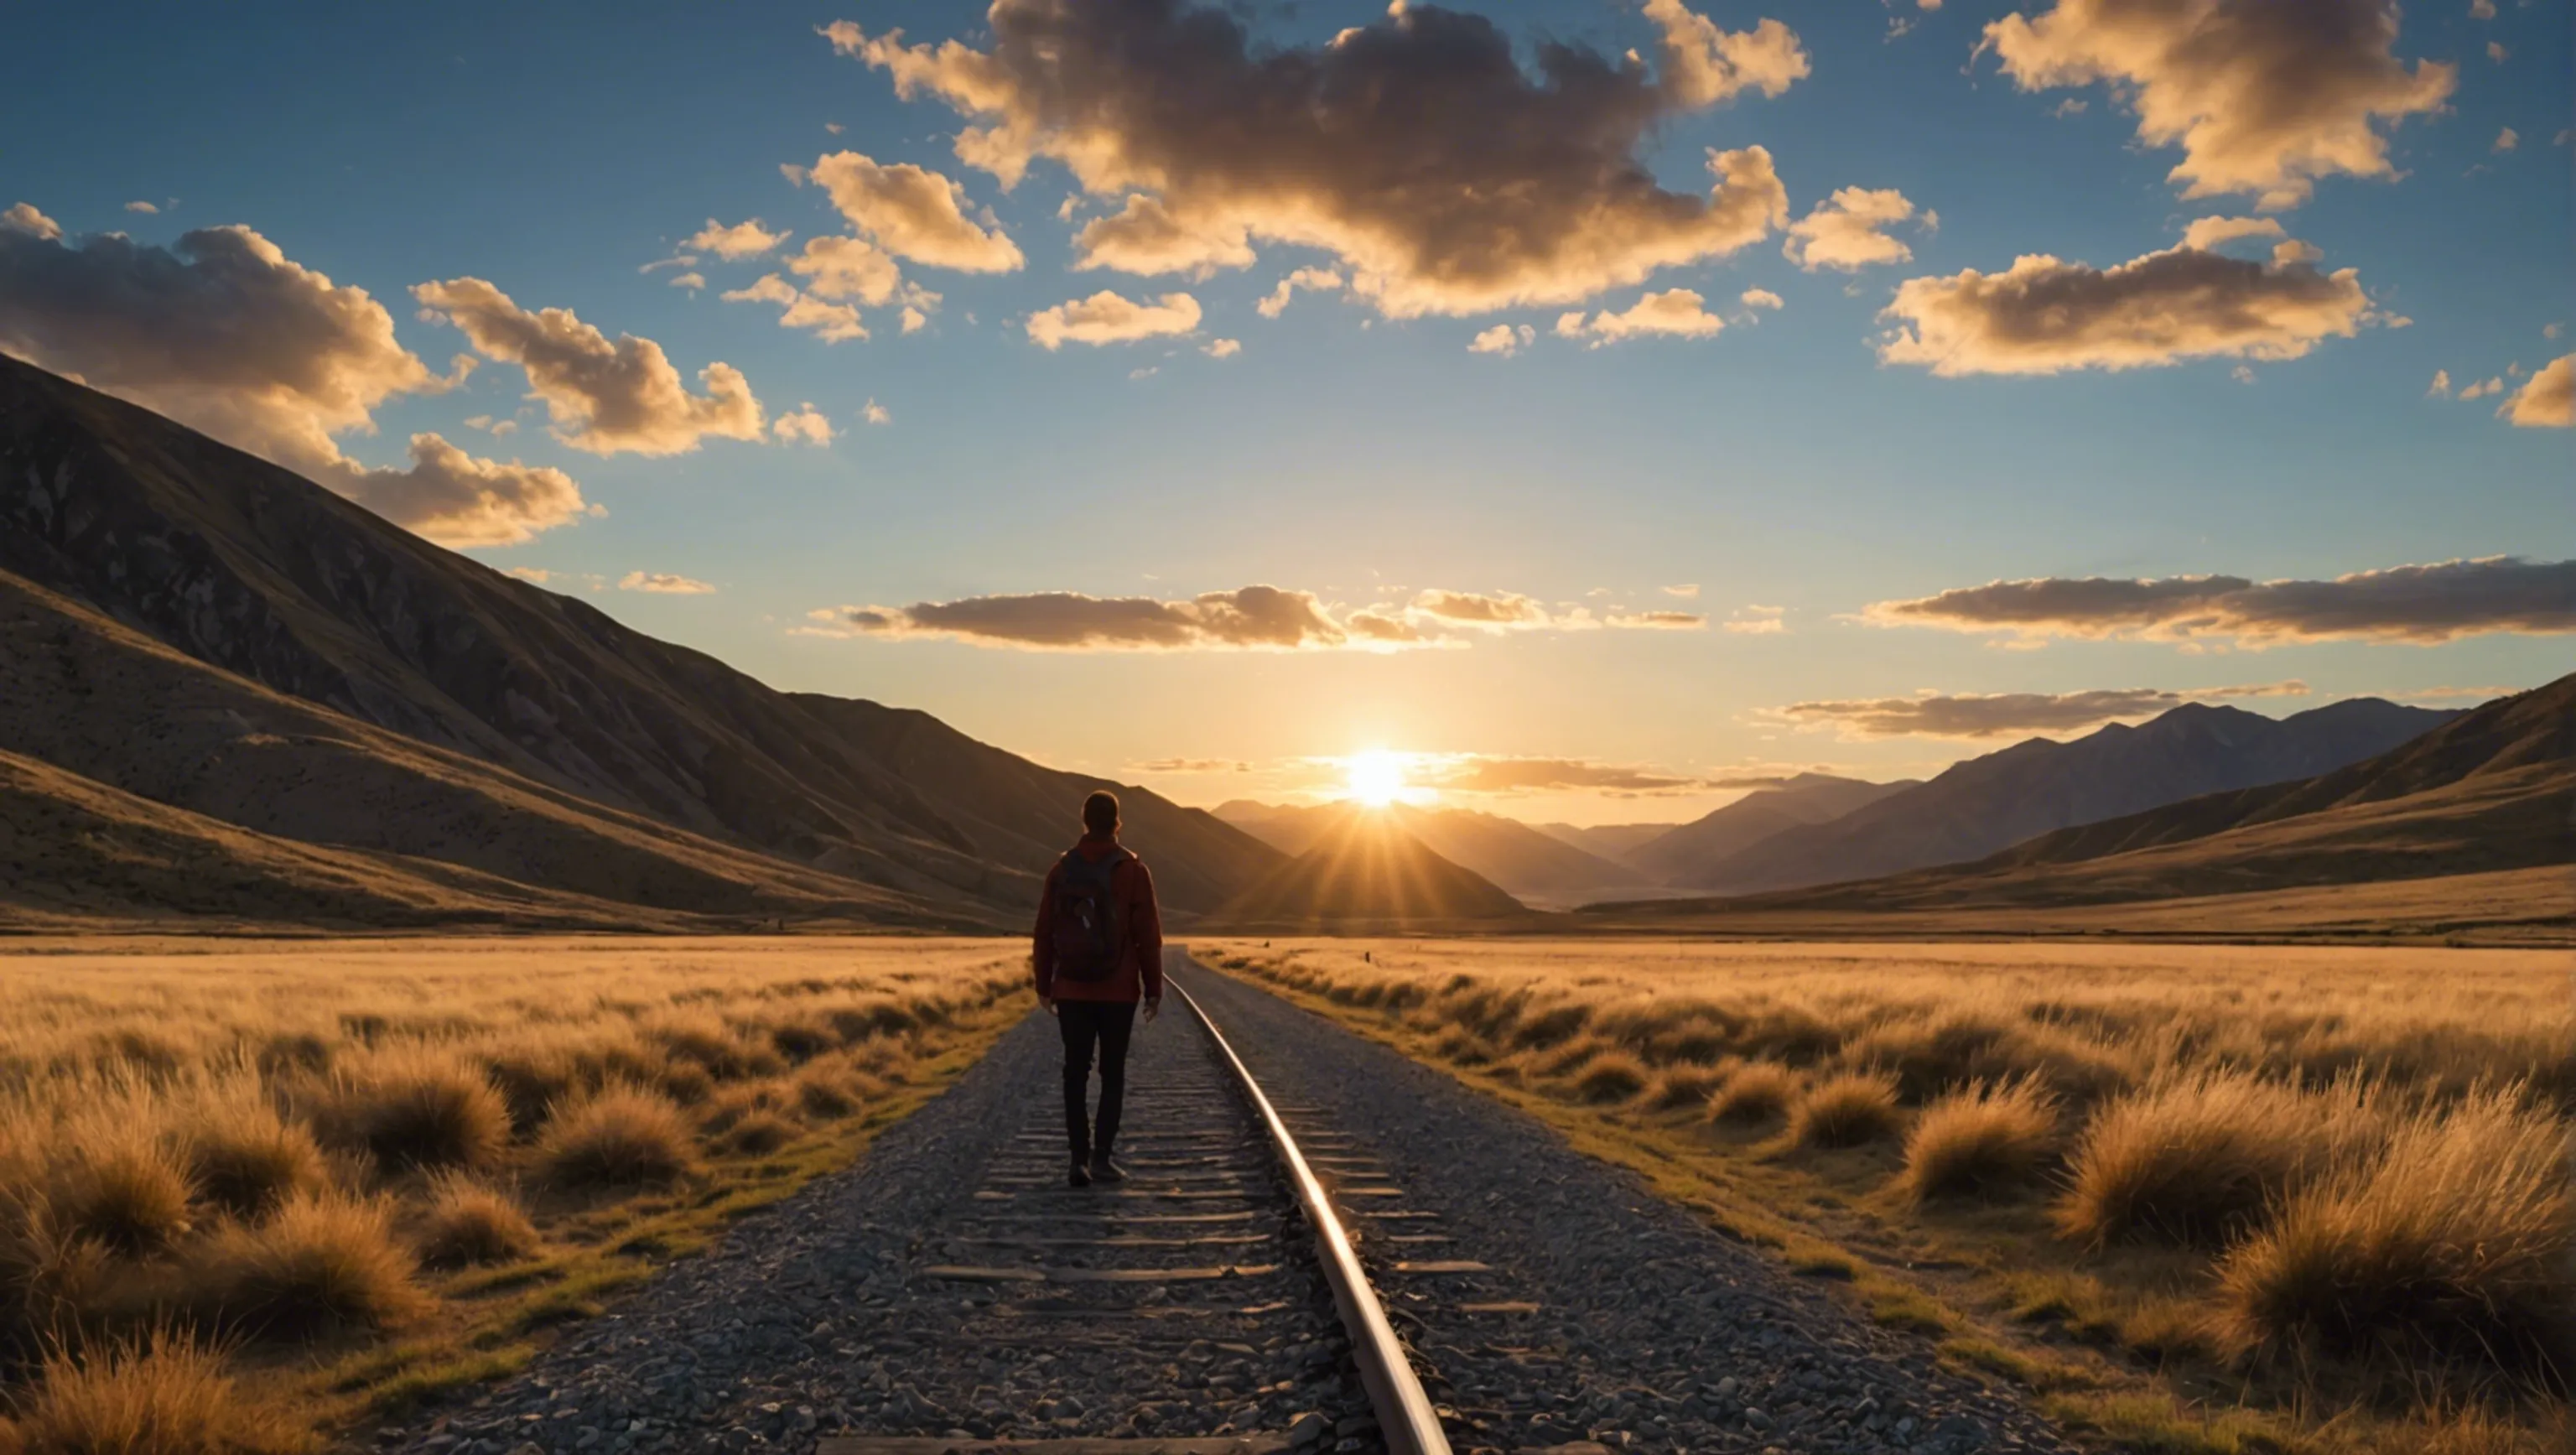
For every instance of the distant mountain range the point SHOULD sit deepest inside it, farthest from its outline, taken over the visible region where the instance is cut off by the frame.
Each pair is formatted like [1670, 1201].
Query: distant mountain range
[197, 628]
[1989, 803]
[1689, 855]
[1365, 872]
[1530, 865]
[2483, 794]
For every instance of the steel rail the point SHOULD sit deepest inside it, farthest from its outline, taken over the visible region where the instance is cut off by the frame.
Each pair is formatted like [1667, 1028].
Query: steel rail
[1404, 1415]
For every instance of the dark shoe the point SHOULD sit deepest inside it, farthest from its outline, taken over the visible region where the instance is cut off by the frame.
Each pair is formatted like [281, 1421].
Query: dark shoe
[1078, 1176]
[1104, 1170]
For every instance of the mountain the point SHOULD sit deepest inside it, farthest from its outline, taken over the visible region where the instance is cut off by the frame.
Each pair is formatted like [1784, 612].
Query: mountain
[529, 715]
[1986, 804]
[1365, 872]
[2482, 796]
[1610, 841]
[1685, 856]
[1528, 864]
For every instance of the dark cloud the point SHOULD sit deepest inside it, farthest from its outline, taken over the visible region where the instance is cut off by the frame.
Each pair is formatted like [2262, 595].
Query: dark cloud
[2263, 96]
[1979, 715]
[1418, 148]
[2045, 315]
[2419, 604]
[1256, 616]
[225, 333]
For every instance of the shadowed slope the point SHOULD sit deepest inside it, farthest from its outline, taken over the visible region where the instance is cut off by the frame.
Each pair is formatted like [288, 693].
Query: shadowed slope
[1687, 855]
[253, 570]
[1367, 871]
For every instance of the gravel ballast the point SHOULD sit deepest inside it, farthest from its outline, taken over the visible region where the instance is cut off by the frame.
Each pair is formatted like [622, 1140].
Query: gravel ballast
[1549, 1300]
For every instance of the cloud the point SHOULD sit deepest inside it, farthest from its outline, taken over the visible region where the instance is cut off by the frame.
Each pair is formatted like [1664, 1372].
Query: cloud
[1381, 627]
[2482, 9]
[2441, 387]
[1497, 611]
[742, 240]
[537, 574]
[913, 213]
[22, 217]
[1847, 231]
[1146, 237]
[1254, 617]
[803, 424]
[1313, 280]
[2496, 52]
[2422, 605]
[225, 333]
[605, 398]
[2547, 400]
[1680, 312]
[2001, 714]
[456, 500]
[2263, 96]
[1665, 621]
[1514, 188]
[663, 583]
[876, 413]
[1761, 298]
[2045, 315]
[691, 281]
[1191, 766]
[847, 269]
[2506, 140]
[1759, 621]
[1108, 318]
[1502, 340]
[1475, 773]
[146, 208]
[1223, 348]
[2481, 388]
[833, 323]
[1689, 592]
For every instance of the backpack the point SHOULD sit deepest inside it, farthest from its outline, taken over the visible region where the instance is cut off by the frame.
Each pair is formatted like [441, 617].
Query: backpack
[1090, 932]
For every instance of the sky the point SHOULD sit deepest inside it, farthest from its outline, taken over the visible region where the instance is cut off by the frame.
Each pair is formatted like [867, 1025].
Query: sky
[1605, 406]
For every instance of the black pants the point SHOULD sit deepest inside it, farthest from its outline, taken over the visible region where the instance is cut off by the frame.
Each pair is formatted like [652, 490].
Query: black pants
[1108, 1022]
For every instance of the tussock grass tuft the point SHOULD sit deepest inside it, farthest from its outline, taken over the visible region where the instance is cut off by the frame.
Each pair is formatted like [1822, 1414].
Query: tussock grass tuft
[419, 1109]
[2196, 1158]
[120, 1188]
[470, 1223]
[321, 1264]
[761, 1133]
[826, 1096]
[158, 1394]
[1611, 1076]
[1980, 1140]
[245, 1159]
[1676, 1087]
[2456, 1241]
[1848, 1110]
[1754, 1093]
[623, 1136]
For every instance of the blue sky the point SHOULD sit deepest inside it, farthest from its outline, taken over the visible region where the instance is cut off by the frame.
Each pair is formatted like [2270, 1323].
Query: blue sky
[1364, 457]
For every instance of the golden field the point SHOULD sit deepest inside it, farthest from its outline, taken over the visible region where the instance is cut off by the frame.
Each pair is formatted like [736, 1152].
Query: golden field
[2196, 1197]
[251, 1191]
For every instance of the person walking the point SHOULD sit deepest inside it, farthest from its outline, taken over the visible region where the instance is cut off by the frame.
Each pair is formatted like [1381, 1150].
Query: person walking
[1097, 952]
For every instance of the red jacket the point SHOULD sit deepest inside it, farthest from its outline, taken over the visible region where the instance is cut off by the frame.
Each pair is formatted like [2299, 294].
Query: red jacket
[1140, 974]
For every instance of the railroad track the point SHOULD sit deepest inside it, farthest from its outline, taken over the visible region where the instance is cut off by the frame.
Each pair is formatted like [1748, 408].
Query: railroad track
[1228, 1252]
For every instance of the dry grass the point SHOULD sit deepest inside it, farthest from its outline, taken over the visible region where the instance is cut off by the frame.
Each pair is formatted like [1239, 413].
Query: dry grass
[1981, 1140]
[470, 1223]
[2332, 1181]
[156, 1393]
[300, 1141]
[619, 1136]
[1849, 1110]
[1755, 1093]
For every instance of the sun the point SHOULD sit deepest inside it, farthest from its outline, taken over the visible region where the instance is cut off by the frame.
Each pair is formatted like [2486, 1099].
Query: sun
[1376, 777]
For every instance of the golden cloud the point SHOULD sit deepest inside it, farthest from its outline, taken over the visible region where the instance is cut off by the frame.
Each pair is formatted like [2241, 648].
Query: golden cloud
[2000, 714]
[1108, 318]
[1513, 190]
